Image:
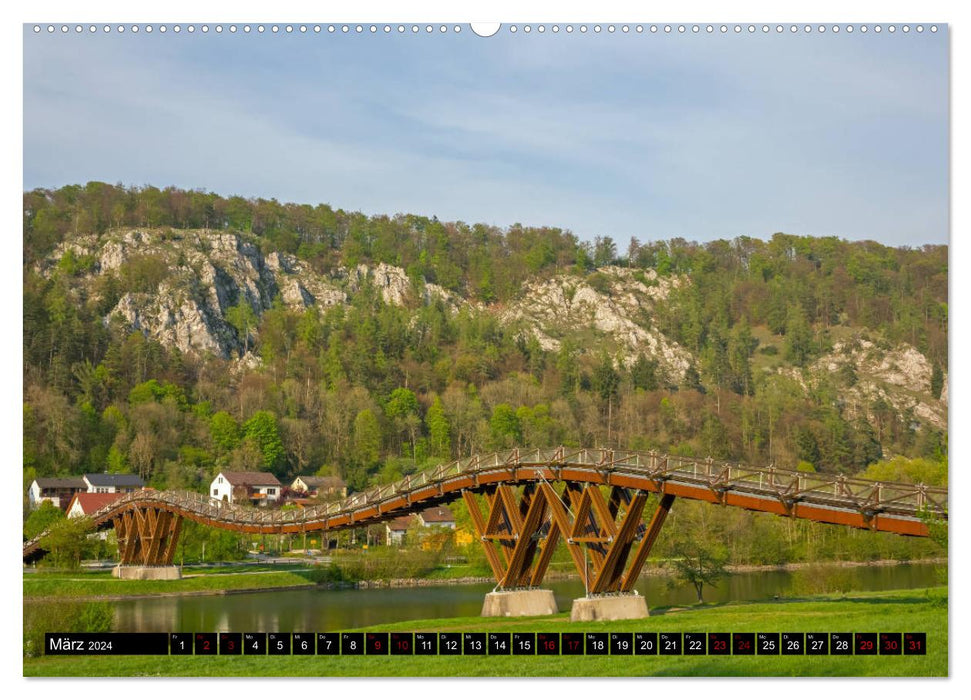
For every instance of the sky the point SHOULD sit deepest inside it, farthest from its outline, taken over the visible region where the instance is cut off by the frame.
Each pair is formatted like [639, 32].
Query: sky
[701, 136]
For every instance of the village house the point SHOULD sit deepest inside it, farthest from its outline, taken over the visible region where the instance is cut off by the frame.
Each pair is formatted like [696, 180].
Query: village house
[85, 503]
[436, 516]
[88, 503]
[319, 486]
[58, 491]
[258, 488]
[112, 483]
[395, 530]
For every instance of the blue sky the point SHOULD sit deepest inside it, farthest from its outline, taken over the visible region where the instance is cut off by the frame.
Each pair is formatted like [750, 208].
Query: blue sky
[655, 136]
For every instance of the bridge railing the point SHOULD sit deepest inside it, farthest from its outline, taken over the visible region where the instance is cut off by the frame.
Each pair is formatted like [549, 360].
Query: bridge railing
[786, 485]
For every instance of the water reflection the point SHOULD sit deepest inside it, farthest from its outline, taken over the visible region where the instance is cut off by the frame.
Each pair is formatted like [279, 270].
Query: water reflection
[322, 610]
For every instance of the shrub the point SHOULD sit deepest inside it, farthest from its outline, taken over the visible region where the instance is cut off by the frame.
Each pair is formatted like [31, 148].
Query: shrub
[40, 618]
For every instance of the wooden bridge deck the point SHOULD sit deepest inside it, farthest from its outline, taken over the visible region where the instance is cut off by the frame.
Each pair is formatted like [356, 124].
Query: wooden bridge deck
[860, 503]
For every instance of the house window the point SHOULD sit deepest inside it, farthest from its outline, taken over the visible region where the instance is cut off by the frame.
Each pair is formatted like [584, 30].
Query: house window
[271, 492]
[215, 492]
[220, 480]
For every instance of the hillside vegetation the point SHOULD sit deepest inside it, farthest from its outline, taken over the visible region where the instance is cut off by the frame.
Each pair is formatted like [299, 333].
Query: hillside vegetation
[172, 333]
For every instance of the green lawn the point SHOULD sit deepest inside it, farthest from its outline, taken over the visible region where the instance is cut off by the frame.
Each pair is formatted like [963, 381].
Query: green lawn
[894, 611]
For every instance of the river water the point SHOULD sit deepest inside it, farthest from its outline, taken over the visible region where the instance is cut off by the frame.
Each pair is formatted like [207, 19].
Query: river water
[319, 610]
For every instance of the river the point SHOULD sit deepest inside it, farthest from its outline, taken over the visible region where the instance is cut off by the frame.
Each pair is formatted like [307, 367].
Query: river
[319, 610]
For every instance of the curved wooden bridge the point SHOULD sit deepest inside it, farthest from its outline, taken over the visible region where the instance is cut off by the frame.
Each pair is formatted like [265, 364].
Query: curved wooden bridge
[562, 498]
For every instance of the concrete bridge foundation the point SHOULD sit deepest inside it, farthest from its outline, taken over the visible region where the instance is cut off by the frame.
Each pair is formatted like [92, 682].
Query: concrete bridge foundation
[147, 573]
[610, 607]
[526, 602]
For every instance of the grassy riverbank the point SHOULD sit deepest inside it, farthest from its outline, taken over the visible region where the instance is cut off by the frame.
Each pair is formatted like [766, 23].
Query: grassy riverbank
[892, 611]
[233, 578]
[100, 585]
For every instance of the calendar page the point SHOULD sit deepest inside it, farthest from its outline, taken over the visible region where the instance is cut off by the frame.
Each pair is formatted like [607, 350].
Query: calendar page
[447, 349]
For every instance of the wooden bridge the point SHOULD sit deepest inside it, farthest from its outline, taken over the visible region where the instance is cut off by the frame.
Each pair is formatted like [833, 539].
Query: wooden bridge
[562, 497]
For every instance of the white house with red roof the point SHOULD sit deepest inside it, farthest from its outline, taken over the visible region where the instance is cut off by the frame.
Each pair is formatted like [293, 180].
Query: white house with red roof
[245, 487]
[89, 503]
[437, 516]
[395, 529]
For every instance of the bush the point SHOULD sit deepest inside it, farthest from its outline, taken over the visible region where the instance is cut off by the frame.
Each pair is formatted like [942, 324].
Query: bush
[376, 565]
[143, 273]
[326, 574]
[599, 282]
[67, 542]
[40, 618]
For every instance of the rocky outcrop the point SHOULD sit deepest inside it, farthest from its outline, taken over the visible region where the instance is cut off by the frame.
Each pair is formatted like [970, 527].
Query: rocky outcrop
[206, 273]
[900, 376]
[196, 277]
[395, 286]
[619, 310]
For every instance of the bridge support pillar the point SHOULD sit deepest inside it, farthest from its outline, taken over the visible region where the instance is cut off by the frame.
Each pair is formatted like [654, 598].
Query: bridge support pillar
[147, 537]
[526, 602]
[147, 573]
[611, 607]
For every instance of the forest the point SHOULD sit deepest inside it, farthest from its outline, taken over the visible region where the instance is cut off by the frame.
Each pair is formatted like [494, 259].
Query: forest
[372, 391]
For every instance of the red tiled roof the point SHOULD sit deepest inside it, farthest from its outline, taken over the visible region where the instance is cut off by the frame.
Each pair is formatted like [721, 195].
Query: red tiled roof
[437, 514]
[91, 502]
[400, 524]
[251, 479]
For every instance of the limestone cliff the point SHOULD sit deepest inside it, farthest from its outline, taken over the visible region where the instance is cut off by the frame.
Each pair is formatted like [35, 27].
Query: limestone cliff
[179, 285]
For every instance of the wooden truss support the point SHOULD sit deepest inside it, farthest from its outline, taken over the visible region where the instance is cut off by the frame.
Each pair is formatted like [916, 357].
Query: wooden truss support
[147, 536]
[520, 536]
[647, 543]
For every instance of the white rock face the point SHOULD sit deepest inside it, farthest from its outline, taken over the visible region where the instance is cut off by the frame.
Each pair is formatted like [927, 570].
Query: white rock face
[568, 302]
[210, 272]
[164, 318]
[395, 286]
[206, 273]
[901, 376]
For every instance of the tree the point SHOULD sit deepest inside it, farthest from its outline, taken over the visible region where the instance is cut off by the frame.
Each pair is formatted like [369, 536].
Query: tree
[937, 381]
[910, 471]
[504, 426]
[366, 440]
[799, 336]
[438, 430]
[67, 540]
[741, 345]
[643, 373]
[715, 360]
[606, 380]
[224, 431]
[605, 251]
[402, 409]
[699, 564]
[143, 453]
[263, 431]
[242, 318]
[807, 448]
[43, 517]
[697, 551]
